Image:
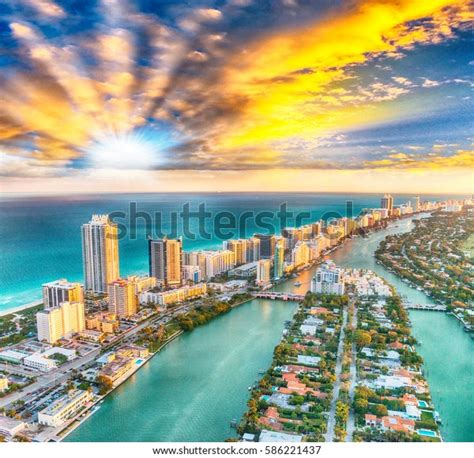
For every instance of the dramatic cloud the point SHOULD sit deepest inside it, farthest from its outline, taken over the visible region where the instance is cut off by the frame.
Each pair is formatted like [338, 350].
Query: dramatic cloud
[245, 86]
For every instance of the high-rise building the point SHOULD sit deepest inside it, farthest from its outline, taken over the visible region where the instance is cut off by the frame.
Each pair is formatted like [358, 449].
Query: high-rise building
[329, 279]
[279, 259]
[316, 228]
[253, 249]
[100, 253]
[416, 204]
[239, 248]
[293, 235]
[122, 298]
[300, 254]
[59, 291]
[267, 245]
[387, 203]
[58, 322]
[264, 272]
[165, 258]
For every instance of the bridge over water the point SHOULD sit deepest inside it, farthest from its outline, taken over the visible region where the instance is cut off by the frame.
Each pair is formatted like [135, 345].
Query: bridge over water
[279, 296]
[433, 307]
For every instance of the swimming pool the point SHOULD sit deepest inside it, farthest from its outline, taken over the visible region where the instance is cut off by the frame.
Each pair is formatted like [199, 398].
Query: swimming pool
[426, 432]
[422, 404]
[138, 361]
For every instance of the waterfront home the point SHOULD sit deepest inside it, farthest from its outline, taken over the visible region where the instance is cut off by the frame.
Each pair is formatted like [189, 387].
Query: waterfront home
[297, 369]
[271, 420]
[390, 382]
[308, 330]
[272, 436]
[282, 400]
[390, 423]
[309, 360]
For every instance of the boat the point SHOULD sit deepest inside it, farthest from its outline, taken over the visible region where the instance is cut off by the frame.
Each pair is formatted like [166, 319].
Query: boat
[297, 283]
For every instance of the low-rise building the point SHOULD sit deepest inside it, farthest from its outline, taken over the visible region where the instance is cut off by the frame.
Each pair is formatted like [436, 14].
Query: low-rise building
[173, 296]
[9, 427]
[274, 436]
[40, 362]
[64, 408]
[13, 356]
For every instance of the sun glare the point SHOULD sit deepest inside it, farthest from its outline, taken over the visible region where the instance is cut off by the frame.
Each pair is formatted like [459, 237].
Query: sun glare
[124, 152]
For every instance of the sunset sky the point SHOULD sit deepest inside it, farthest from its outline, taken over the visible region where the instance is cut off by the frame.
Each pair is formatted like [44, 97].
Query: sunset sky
[236, 95]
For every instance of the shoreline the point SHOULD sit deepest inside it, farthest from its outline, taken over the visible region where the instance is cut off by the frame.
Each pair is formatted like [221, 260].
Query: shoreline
[91, 409]
[32, 304]
[20, 308]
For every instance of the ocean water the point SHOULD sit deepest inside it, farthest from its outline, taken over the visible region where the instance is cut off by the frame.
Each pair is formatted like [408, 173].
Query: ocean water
[40, 238]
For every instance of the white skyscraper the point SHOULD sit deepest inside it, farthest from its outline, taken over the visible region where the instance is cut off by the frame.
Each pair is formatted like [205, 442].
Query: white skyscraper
[100, 253]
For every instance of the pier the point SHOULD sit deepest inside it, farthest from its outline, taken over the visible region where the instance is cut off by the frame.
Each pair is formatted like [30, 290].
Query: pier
[279, 296]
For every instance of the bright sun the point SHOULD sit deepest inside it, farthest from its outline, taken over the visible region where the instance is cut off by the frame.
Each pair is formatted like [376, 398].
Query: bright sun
[128, 151]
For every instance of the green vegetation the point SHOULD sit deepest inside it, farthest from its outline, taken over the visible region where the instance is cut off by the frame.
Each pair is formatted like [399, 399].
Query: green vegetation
[59, 357]
[307, 406]
[433, 256]
[18, 326]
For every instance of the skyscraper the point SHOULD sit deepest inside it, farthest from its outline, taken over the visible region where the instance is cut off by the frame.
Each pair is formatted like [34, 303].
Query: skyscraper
[164, 258]
[239, 248]
[267, 245]
[59, 291]
[263, 272]
[122, 298]
[253, 249]
[416, 204]
[100, 253]
[387, 203]
[279, 259]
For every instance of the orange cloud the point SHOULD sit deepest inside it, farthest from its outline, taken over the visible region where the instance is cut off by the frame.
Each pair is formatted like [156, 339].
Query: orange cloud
[285, 77]
[461, 159]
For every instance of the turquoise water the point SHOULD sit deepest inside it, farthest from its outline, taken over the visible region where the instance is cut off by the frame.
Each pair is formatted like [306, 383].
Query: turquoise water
[40, 237]
[446, 349]
[198, 384]
[195, 386]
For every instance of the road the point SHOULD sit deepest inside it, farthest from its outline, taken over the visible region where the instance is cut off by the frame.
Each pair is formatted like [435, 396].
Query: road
[60, 375]
[329, 437]
[353, 380]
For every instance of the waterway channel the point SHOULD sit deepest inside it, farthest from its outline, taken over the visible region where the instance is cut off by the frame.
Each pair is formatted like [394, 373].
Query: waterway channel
[198, 384]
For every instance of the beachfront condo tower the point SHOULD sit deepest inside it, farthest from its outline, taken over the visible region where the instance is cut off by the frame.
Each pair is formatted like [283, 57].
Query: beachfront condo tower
[122, 298]
[59, 291]
[267, 245]
[165, 258]
[279, 259]
[387, 203]
[100, 253]
[60, 322]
